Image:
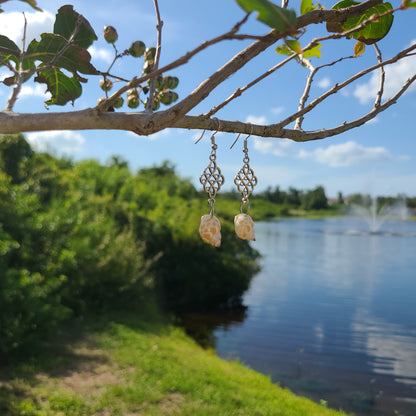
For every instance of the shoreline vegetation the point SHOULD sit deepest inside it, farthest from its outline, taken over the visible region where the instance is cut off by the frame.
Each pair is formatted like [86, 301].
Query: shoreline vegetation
[93, 259]
[139, 364]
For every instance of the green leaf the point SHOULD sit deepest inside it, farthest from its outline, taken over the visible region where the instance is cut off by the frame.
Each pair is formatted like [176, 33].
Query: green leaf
[359, 48]
[29, 2]
[374, 31]
[313, 52]
[33, 4]
[283, 50]
[283, 20]
[294, 45]
[306, 6]
[409, 4]
[62, 88]
[74, 59]
[66, 22]
[12, 53]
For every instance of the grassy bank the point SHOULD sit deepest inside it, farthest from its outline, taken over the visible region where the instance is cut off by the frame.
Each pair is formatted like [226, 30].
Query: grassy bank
[139, 366]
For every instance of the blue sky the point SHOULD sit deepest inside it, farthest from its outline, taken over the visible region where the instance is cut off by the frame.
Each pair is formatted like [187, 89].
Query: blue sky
[378, 158]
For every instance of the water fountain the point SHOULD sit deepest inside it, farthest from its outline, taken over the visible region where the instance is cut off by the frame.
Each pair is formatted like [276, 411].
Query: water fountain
[375, 217]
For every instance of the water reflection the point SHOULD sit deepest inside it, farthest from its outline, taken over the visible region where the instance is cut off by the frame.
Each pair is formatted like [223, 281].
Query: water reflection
[332, 314]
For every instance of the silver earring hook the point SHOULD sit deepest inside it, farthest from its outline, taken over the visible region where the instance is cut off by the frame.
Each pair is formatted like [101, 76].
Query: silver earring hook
[219, 126]
[245, 140]
[202, 135]
[235, 141]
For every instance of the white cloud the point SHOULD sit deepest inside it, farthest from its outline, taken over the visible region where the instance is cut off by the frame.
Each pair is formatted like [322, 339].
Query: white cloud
[276, 147]
[38, 22]
[64, 142]
[396, 75]
[159, 134]
[374, 120]
[278, 110]
[154, 136]
[324, 83]
[37, 91]
[256, 119]
[100, 54]
[346, 154]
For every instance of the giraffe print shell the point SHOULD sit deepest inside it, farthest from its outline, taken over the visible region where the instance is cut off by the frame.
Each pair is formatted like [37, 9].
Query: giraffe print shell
[210, 230]
[244, 227]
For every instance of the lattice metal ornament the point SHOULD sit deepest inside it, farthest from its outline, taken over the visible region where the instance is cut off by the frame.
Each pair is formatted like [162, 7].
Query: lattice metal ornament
[245, 179]
[212, 179]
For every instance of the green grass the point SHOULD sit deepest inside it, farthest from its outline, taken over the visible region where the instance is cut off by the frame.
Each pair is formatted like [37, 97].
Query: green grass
[139, 366]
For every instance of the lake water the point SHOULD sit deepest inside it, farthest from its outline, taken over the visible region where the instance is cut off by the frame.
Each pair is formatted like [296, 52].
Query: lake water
[332, 314]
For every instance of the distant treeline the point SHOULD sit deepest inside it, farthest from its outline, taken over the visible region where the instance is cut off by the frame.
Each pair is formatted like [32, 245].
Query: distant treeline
[83, 237]
[316, 198]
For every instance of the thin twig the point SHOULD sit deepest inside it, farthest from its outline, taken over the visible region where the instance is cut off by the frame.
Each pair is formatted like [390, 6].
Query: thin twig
[303, 99]
[136, 81]
[20, 73]
[337, 87]
[152, 86]
[305, 96]
[9, 66]
[26, 74]
[324, 133]
[69, 43]
[382, 78]
[239, 91]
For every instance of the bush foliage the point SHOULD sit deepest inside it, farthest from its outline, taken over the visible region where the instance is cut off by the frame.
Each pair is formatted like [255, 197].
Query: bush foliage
[82, 237]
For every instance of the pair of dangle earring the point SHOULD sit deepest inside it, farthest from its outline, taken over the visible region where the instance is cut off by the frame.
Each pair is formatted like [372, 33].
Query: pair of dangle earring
[245, 180]
[212, 180]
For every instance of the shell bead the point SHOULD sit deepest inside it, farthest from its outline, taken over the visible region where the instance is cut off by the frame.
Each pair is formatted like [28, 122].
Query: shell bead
[210, 230]
[244, 227]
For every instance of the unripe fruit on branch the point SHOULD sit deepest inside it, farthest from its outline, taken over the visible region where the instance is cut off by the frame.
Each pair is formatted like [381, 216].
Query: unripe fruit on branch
[106, 84]
[137, 49]
[150, 54]
[108, 107]
[132, 93]
[119, 101]
[133, 101]
[175, 96]
[110, 34]
[165, 97]
[159, 82]
[170, 82]
[156, 104]
[147, 67]
[100, 100]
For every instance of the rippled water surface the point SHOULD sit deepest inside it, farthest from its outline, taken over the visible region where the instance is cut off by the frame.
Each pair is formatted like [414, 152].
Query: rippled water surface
[332, 314]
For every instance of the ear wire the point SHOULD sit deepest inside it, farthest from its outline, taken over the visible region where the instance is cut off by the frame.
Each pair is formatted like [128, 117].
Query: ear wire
[245, 140]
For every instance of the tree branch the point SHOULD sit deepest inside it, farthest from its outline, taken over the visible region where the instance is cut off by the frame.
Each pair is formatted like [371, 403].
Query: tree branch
[20, 77]
[137, 122]
[152, 85]
[135, 82]
[382, 78]
[338, 16]
[342, 85]
[239, 91]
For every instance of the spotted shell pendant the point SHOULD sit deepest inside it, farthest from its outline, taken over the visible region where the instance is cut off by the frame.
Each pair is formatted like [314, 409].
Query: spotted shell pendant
[210, 230]
[244, 227]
